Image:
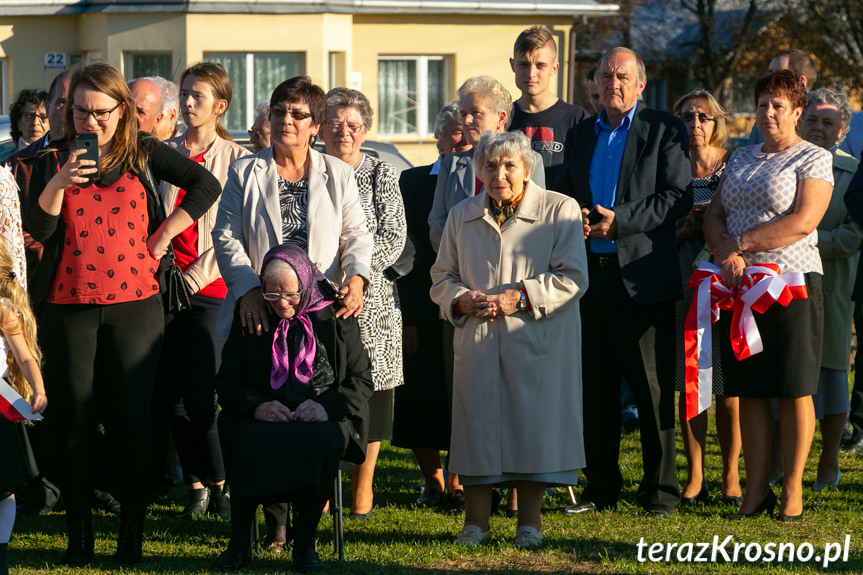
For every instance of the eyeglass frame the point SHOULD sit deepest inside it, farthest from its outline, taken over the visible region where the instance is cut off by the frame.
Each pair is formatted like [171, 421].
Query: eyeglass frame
[290, 297]
[258, 133]
[338, 127]
[107, 113]
[296, 115]
[703, 117]
[31, 116]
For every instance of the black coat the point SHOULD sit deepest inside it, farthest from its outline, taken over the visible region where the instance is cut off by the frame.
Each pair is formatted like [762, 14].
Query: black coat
[243, 381]
[652, 193]
[417, 187]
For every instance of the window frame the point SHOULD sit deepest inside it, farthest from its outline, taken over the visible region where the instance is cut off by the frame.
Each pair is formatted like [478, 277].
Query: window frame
[421, 99]
[128, 71]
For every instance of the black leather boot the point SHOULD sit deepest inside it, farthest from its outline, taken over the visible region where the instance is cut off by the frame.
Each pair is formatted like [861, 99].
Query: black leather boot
[220, 500]
[130, 540]
[197, 504]
[79, 551]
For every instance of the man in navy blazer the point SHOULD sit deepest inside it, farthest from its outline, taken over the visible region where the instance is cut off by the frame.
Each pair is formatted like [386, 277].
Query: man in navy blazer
[629, 169]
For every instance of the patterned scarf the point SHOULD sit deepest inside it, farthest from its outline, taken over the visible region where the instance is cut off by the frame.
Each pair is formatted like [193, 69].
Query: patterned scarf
[313, 298]
[503, 212]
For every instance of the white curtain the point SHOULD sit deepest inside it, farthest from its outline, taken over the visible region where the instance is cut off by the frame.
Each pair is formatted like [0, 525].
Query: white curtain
[397, 105]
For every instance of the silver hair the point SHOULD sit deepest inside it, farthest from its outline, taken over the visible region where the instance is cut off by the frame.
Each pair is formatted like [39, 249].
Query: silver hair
[354, 99]
[838, 101]
[504, 145]
[262, 109]
[447, 117]
[276, 268]
[495, 95]
[170, 93]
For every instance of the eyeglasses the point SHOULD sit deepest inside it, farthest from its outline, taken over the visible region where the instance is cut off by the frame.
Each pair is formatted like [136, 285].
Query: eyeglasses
[290, 297]
[258, 133]
[702, 117]
[32, 116]
[338, 127]
[297, 115]
[80, 113]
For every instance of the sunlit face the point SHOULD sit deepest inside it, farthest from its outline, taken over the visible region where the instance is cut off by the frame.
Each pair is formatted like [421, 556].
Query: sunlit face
[34, 122]
[821, 125]
[593, 94]
[477, 118]
[776, 118]
[57, 107]
[148, 102]
[285, 283]
[86, 99]
[198, 105]
[344, 132]
[453, 140]
[619, 87]
[700, 126]
[286, 131]
[503, 177]
[259, 134]
[533, 71]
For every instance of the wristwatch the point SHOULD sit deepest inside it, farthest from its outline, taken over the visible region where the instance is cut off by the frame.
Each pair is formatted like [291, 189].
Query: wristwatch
[522, 302]
[737, 239]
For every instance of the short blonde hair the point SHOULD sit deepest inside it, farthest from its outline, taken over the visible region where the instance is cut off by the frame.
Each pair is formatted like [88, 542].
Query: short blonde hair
[495, 95]
[720, 131]
[505, 145]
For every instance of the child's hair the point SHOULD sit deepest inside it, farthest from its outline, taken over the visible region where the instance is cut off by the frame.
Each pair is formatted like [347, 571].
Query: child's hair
[24, 323]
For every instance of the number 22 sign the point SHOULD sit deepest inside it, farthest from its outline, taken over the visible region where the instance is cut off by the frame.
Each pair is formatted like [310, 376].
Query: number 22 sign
[55, 60]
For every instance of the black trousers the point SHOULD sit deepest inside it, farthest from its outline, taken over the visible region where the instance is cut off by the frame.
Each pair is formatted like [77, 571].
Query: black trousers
[100, 364]
[185, 398]
[622, 339]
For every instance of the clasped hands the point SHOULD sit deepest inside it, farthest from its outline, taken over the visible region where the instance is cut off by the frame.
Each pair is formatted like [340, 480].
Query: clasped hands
[732, 262]
[308, 410]
[489, 307]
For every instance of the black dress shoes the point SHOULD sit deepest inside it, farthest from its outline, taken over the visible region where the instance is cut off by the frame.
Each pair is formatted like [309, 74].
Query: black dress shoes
[196, 506]
[430, 498]
[766, 506]
[220, 500]
[700, 497]
[658, 511]
[583, 506]
[231, 560]
[306, 559]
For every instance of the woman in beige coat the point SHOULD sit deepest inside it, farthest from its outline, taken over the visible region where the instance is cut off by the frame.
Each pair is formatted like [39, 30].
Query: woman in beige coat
[509, 272]
[825, 123]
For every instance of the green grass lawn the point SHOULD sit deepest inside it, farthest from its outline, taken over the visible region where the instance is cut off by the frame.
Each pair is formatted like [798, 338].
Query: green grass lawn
[402, 539]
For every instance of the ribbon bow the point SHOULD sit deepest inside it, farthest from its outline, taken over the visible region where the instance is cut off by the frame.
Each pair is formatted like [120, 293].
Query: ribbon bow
[761, 286]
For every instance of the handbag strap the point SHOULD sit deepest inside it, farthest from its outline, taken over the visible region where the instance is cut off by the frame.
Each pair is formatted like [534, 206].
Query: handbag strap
[153, 191]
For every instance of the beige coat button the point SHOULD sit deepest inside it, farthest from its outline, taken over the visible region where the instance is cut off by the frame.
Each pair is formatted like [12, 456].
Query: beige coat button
[318, 265]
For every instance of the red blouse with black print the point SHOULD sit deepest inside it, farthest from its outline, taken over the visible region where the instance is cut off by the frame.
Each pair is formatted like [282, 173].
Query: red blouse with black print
[105, 258]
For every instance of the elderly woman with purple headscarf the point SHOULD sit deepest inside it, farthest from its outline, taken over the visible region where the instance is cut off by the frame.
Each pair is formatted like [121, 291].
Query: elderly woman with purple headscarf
[296, 401]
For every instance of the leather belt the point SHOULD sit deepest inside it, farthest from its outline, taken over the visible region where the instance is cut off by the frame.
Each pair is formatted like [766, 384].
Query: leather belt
[603, 260]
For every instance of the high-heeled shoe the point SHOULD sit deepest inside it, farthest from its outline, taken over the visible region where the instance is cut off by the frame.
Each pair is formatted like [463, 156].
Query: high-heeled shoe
[818, 486]
[700, 497]
[731, 500]
[789, 518]
[766, 506]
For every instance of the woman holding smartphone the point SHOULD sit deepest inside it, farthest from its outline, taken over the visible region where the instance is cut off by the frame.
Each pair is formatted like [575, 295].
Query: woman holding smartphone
[97, 294]
[190, 357]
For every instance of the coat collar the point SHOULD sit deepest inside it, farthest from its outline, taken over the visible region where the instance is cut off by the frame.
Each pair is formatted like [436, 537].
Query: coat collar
[844, 161]
[531, 207]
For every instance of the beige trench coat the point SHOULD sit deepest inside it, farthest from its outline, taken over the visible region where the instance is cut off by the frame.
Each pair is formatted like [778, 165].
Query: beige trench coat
[838, 243]
[517, 380]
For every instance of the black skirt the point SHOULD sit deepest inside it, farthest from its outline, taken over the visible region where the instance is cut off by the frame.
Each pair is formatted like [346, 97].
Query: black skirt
[18, 466]
[270, 458]
[422, 405]
[790, 363]
[381, 415]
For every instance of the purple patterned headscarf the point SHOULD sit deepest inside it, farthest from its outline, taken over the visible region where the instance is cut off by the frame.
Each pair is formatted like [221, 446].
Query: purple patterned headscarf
[312, 299]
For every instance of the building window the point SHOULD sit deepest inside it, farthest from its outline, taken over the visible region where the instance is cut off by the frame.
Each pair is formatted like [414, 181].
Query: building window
[411, 92]
[254, 76]
[141, 64]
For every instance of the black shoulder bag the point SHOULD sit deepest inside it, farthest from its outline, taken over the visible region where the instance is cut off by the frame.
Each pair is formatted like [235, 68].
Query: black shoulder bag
[176, 295]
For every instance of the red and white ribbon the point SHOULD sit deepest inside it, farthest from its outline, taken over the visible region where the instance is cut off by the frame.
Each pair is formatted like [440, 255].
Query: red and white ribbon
[14, 407]
[760, 287]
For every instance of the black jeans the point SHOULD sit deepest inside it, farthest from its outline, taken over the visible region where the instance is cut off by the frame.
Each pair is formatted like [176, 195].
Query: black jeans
[184, 394]
[100, 364]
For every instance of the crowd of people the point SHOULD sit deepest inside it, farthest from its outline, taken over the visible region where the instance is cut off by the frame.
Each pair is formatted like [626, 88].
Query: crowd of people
[550, 262]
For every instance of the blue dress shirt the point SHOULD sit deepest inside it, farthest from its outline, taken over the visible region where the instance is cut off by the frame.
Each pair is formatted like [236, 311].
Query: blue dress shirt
[605, 170]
